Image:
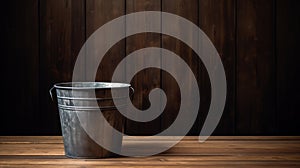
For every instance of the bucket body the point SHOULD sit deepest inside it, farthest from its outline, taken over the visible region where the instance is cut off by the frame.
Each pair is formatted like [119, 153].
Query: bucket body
[86, 98]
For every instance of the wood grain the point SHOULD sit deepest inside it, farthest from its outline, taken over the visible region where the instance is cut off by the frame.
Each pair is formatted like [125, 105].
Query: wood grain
[255, 68]
[61, 37]
[217, 20]
[169, 84]
[216, 152]
[19, 67]
[148, 79]
[287, 33]
[99, 12]
[257, 42]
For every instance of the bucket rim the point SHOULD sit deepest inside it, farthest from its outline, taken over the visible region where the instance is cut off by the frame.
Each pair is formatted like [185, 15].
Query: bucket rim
[91, 85]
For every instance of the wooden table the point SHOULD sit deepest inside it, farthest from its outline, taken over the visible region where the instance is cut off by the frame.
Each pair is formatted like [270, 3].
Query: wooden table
[250, 151]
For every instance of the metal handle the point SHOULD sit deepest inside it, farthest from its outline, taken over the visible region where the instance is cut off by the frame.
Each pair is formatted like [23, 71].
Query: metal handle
[132, 92]
[50, 91]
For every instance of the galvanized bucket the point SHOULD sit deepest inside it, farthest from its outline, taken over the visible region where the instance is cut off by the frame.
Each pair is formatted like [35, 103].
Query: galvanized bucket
[79, 97]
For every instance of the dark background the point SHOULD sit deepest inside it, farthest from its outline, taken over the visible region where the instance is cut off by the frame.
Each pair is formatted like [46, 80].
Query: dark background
[258, 42]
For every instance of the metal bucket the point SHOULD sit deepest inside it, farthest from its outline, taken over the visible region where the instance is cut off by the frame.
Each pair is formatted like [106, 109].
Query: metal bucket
[79, 97]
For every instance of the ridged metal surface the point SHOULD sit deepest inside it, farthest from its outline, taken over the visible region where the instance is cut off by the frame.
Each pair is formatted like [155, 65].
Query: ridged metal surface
[76, 141]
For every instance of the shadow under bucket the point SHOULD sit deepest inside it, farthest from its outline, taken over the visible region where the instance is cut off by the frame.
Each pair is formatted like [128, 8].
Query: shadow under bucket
[86, 98]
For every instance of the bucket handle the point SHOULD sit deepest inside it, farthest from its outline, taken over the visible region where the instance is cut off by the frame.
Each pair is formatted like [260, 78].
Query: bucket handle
[50, 91]
[132, 92]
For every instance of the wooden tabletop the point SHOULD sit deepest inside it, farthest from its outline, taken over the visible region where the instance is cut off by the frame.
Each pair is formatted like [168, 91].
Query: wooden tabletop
[221, 151]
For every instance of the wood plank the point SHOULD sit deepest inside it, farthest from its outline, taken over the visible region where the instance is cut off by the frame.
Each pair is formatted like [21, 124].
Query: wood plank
[132, 162]
[78, 33]
[217, 20]
[19, 66]
[255, 113]
[61, 36]
[217, 138]
[145, 80]
[58, 139]
[4, 160]
[221, 152]
[287, 41]
[164, 141]
[225, 147]
[169, 84]
[154, 161]
[206, 164]
[188, 143]
[31, 139]
[99, 12]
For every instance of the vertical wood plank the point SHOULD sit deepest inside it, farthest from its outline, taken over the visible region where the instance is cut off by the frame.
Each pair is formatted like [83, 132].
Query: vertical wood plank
[147, 79]
[188, 10]
[99, 12]
[288, 82]
[78, 33]
[61, 35]
[19, 66]
[217, 20]
[255, 67]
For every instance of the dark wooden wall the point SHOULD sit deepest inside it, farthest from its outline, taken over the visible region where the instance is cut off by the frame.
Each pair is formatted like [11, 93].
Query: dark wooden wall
[257, 40]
